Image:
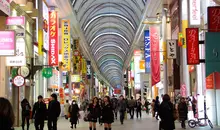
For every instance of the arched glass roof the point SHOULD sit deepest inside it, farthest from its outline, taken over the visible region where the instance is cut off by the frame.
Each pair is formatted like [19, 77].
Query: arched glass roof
[109, 27]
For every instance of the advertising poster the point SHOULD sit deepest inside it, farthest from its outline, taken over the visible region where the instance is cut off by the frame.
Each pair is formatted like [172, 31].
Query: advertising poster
[147, 50]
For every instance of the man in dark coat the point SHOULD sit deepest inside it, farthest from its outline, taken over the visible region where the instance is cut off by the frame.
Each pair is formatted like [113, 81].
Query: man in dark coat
[53, 112]
[122, 106]
[183, 112]
[39, 112]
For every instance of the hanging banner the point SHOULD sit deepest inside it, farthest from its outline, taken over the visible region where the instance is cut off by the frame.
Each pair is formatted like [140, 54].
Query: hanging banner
[155, 54]
[54, 80]
[147, 51]
[19, 59]
[210, 81]
[76, 44]
[194, 12]
[53, 39]
[45, 26]
[88, 69]
[66, 45]
[40, 42]
[171, 49]
[84, 67]
[213, 19]
[192, 42]
[7, 43]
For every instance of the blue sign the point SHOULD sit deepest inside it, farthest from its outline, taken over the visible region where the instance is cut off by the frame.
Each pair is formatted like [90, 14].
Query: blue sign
[147, 50]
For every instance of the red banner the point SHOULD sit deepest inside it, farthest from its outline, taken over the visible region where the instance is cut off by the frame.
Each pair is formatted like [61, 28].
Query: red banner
[117, 91]
[53, 39]
[155, 54]
[213, 19]
[192, 43]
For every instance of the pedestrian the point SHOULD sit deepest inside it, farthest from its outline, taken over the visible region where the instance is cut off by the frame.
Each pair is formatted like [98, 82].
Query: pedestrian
[39, 113]
[152, 108]
[101, 104]
[166, 111]
[131, 105]
[94, 112]
[26, 111]
[156, 107]
[122, 106]
[74, 112]
[183, 112]
[53, 112]
[66, 109]
[138, 108]
[7, 115]
[107, 113]
[114, 103]
[146, 104]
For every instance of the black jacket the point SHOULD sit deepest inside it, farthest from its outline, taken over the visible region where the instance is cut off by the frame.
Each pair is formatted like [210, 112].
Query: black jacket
[39, 111]
[94, 111]
[166, 110]
[107, 114]
[26, 108]
[138, 106]
[74, 112]
[54, 109]
[183, 111]
[5, 123]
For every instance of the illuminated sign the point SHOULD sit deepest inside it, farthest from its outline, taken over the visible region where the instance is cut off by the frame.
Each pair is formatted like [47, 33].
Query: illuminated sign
[17, 20]
[194, 12]
[7, 43]
[75, 78]
[147, 51]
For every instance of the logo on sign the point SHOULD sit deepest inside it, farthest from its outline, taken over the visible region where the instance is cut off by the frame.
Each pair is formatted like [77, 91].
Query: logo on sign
[19, 81]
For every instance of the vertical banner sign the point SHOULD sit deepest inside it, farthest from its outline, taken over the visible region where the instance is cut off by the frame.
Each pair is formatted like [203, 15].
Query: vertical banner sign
[213, 19]
[88, 69]
[192, 42]
[155, 54]
[210, 81]
[171, 49]
[66, 44]
[84, 67]
[53, 39]
[147, 51]
[194, 12]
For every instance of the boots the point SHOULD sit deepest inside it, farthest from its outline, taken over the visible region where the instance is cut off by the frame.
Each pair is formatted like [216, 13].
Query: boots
[90, 128]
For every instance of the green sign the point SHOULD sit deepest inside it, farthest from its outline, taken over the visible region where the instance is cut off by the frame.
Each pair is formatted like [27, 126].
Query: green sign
[47, 72]
[14, 72]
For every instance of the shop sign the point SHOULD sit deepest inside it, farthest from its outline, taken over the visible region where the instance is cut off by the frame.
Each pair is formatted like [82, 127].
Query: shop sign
[147, 51]
[210, 81]
[61, 93]
[19, 59]
[117, 91]
[18, 81]
[54, 80]
[20, 33]
[45, 26]
[66, 44]
[40, 42]
[192, 42]
[47, 72]
[141, 65]
[171, 49]
[155, 54]
[88, 64]
[84, 66]
[53, 39]
[194, 12]
[7, 43]
[5, 6]
[76, 44]
[213, 19]
[75, 78]
[183, 90]
[15, 20]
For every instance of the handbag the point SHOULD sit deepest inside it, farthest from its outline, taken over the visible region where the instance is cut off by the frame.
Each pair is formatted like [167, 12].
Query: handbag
[87, 116]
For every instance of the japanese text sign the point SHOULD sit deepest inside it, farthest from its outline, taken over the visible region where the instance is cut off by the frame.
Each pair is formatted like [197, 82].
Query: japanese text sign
[53, 39]
[66, 44]
[214, 19]
[147, 51]
[88, 69]
[192, 42]
[194, 12]
[171, 49]
[7, 43]
[17, 20]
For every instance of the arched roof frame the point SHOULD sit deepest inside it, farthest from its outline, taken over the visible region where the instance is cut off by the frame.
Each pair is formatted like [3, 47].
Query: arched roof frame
[110, 57]
[110, 45]
[106, 50]
[108, 61]
[107, 55]
[111, 65]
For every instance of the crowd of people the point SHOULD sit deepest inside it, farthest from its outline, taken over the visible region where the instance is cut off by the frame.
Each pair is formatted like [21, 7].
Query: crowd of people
[104, 111]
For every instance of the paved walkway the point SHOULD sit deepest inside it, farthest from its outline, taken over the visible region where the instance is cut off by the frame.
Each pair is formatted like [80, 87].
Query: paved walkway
[146, 123]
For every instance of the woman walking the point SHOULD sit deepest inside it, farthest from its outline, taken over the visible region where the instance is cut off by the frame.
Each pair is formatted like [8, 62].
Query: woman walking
[183, 112]
[166, 114]
[74, 112]
[26, 110]
[7, 115]
[107, 113]
[94, 112]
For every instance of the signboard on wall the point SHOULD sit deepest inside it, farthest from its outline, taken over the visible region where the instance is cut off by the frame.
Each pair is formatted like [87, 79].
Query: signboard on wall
[7, 43]
[147, 51]
[53, 39]
[194, 12]
[210, 81]
[45, 26]
[66, 44]
[5, 6]
[75, 78]
[88, 69]
[171, 49]
[15, 20]
[19, 59]
[213, 19]
[192, 42]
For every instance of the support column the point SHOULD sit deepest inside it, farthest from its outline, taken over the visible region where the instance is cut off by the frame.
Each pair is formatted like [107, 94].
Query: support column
[184, 66]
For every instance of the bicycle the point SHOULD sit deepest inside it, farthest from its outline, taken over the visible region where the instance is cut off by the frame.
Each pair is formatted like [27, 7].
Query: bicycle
[193, 123]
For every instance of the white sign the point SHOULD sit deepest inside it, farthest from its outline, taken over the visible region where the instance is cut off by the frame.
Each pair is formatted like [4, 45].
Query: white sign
[19, 81]
[171, 49]
[5, 6]
[19, 59]
[45, 26]
[194, 12]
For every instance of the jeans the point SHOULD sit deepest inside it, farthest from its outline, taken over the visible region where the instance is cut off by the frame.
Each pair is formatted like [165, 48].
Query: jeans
[131, 111]
[39, 122]
[122, 116]
[138, 112]
[23, 122]
[52, 124]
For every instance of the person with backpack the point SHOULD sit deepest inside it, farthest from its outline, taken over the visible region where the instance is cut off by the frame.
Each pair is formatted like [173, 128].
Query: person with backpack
[114, 103]
[26, 111]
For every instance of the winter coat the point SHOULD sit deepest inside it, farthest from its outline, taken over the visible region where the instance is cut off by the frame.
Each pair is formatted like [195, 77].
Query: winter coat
[54, 109]
[156, 105]
[74, 112]
[122, 105]
[66, 108]
[94, 112]
[39, 111]
[183, 111]
[107, 114]
[26, 109]
[138, 106]
[166, 110]
[5, 123]
[131, 103]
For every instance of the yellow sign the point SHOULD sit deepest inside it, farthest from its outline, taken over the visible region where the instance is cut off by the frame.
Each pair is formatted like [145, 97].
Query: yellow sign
[84, 67]
[142, 64]
[76, 44]
[75, 78]
[40, 42]
[66, 44]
